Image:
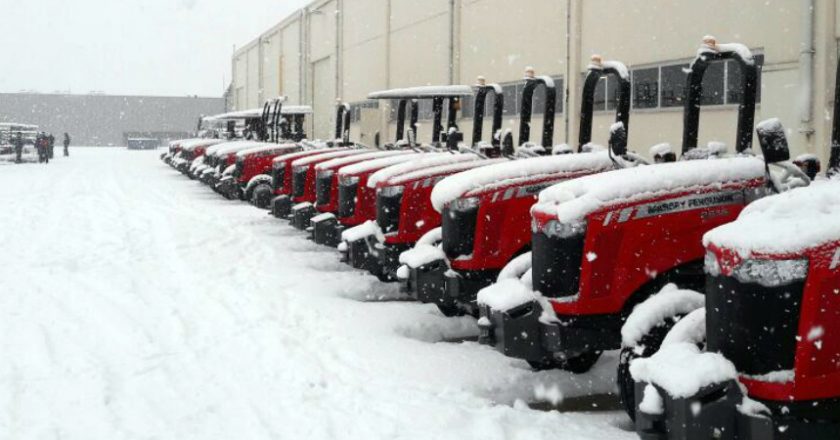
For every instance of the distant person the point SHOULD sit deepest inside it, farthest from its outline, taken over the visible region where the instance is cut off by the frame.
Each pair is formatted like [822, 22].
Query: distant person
[18, 147]
[42, 144]
[66, 144]
[51, 145]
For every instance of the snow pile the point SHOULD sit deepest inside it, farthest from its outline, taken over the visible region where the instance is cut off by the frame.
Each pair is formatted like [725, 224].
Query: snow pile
[651, 402]
[433, 236]
[809, 215]
[669, 302]
[442, 170]
[421, 255]
[322, 217]
[743, 51]
[192, 144]
[575, 199]
[690, 329]
[376, 164]
[682, 369]
[362, 231]
[660, 149]
[326, 155]
[366, 155]
[428, 160]
[516, 267]
[511, 172]
[506, 294]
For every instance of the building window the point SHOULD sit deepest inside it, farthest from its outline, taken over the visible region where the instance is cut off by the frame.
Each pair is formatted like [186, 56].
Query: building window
[673, 85]
[721, 84]
[734, 81]
[713, 85]
[356, 109]
[646, 88]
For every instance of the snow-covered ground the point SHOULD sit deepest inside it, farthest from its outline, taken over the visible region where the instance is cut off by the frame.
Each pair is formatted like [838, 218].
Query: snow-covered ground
[137, 304]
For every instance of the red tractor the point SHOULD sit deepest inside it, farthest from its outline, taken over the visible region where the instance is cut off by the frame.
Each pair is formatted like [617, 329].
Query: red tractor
[361, 248]
[757, 356]
[603, 243]
[251, 165]
[486, 211]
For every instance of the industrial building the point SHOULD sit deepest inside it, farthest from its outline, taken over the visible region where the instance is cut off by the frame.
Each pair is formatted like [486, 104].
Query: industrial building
[108, 120]
[343, 49]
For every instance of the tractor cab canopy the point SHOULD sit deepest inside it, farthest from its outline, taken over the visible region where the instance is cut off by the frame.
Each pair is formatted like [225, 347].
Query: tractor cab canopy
[407, 100]
[273, 122]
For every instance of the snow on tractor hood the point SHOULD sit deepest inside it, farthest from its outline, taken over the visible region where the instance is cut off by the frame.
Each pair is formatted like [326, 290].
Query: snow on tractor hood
[443, 170]
[376, 164]
[575, 199]
[265, 149]
[509, 171]
[236, 146]
[429, 160]
[328, 154]
[370, 155]
[298, 154]
[790, 222]
[193, 143]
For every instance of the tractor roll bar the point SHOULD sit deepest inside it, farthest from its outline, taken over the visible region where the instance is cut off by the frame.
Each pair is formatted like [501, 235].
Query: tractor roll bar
[342, 122]
[482, 89]
[597, 69]
[531, 83]
[711, 52]
[278, 106]
[263, 129]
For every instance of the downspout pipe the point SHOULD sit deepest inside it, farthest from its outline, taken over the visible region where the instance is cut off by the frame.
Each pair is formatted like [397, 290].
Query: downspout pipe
[806, 68]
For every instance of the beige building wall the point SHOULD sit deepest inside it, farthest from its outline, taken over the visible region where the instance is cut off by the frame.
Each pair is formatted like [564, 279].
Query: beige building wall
[367, 45]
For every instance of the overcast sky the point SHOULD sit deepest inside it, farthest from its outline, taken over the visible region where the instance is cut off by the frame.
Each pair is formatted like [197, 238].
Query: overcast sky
[137, 47]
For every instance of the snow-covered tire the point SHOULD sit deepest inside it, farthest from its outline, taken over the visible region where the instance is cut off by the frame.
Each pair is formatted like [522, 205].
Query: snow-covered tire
[261, 196]
[257, 181]
[647, 346]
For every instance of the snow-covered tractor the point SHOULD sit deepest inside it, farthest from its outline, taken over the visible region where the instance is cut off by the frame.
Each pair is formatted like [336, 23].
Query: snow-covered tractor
[377, 205]
[604, 243]
[486, 212]
[756, 357]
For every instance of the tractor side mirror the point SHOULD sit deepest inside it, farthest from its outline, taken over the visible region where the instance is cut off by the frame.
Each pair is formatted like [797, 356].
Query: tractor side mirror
[453, 139]
[507, 145]
[771, 137]
[618, 139]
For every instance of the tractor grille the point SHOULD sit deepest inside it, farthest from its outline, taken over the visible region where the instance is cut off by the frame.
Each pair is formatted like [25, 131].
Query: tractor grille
[458, 230]
[388, 212]
[347, 199]
[323, 189]
[278, 178]
[752, 325]
[556, 263]
[299, 182]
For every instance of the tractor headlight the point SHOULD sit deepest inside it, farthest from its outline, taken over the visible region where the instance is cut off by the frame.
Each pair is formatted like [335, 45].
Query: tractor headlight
[558, 229]
[325, 174]
[391, 191]
[464, 204]
[771, 273]
[278, 165]
[348, 180]
[301, 169]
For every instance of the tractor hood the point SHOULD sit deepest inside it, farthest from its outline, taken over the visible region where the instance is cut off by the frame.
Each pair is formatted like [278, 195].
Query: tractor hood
[513, 172]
